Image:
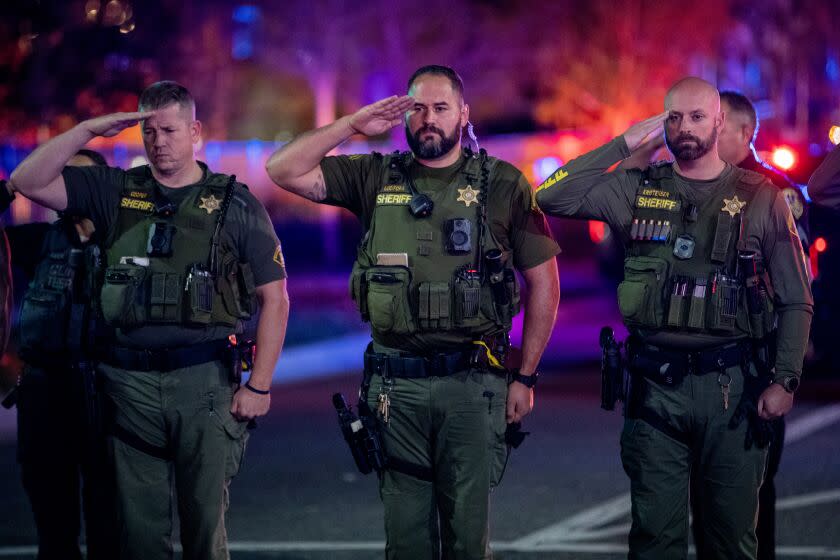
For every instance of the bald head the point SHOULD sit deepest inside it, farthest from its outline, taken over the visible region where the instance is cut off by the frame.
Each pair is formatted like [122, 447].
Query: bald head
[694, 119]
[693, 91]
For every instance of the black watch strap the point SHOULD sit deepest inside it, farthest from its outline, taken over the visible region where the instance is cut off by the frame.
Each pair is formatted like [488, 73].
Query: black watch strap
[529, 381]
[790, 383]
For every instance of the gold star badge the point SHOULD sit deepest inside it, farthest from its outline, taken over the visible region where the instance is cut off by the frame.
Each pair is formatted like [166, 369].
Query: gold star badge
[793, 202]
[733, 205]
[468, 196]
[210, 203]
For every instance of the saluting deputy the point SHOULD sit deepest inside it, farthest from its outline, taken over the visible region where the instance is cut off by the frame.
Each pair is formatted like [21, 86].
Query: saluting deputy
[714, 264]
[444, 230]
[188, 251]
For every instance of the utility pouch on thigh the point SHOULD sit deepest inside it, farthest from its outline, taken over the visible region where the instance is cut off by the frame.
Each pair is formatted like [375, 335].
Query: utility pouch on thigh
[640, 295]
[124, 295]
[467, 298]
[165, 297]
[199, 290]
[388, 303]
[433, 305]
[723, 304]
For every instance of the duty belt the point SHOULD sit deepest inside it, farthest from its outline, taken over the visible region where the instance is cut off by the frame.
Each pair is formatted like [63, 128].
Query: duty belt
[439, 364]
[167, 359]
[669, 365]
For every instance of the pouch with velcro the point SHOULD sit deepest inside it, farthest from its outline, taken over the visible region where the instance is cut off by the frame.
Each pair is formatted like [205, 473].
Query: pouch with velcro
[229, 285]
[388, 299]
[165, 290]
[124, 296]
[641, 294]
[44, 318]
[433, 305]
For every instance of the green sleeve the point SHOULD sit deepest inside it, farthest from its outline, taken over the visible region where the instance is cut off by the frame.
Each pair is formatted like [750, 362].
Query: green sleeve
[779, 244]
[258, 243]
[352, 182]
[583, 189]
[530, 237]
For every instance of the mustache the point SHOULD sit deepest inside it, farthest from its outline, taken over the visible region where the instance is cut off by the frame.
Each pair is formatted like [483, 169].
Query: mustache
[428, 128]
[686, 137]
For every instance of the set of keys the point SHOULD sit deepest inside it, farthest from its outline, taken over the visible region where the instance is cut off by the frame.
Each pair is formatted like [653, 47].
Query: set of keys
[724, 380]
[383, 400]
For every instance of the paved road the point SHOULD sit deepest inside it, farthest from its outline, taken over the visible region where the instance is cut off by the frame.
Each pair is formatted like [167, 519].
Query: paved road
[564, 494]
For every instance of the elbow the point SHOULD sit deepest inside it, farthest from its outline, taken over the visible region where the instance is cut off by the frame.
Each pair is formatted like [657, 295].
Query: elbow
[275, 169]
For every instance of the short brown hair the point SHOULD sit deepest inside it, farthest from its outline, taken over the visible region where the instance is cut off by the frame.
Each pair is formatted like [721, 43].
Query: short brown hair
[162, 94]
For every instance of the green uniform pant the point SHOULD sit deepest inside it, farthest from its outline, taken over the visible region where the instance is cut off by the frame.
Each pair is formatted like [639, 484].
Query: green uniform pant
[454, 426]
[187, 413]
[659, 466]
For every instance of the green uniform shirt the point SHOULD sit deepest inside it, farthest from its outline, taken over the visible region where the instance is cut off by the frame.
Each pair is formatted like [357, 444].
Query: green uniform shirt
[582, 189]
[353, 182]
[96, 191]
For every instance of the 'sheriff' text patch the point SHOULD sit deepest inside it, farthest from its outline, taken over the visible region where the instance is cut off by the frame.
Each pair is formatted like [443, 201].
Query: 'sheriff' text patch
[137, 204]
[392, 199]
[657, 200]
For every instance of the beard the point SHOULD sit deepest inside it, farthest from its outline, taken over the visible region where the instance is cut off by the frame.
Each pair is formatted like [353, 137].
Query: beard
[688, 147]
[432, 148]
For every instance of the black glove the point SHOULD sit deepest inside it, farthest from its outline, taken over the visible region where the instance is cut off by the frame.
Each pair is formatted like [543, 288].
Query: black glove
[759, 431]
[514, 436]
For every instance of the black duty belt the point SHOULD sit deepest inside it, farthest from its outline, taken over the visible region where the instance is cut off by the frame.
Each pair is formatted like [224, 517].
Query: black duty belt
[416, 366]
[669, 365]
[167, 359]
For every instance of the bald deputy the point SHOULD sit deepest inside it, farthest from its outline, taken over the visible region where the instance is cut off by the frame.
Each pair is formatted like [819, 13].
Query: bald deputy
[704, 242]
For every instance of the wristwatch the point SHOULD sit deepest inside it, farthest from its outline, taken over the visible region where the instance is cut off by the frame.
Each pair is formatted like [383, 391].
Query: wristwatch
[529, 381]
[789, 382]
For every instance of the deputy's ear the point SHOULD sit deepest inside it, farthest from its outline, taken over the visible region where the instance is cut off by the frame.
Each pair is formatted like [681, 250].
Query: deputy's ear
[195, 131]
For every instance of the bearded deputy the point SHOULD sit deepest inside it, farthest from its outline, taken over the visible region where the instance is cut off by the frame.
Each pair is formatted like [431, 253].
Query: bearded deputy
[445, 229]
[187, 251]
[714, 264]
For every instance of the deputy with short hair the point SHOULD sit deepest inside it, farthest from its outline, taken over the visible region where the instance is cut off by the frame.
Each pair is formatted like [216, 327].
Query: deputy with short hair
[434, 276]
[188, 251]
[698, 301]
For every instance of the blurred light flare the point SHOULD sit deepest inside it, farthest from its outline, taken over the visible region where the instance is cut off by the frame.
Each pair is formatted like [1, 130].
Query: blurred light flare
[834, 134]
[597, 231]
[820, 244]
[545, 166]
[784, 158]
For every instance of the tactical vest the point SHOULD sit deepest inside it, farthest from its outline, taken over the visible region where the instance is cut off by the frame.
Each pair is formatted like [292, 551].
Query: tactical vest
[682, 271]
[56, 312]
[416, 274]
[157, 254]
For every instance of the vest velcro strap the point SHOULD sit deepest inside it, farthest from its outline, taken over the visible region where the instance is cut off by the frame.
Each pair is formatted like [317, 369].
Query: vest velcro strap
[723, 234]
[167, 359]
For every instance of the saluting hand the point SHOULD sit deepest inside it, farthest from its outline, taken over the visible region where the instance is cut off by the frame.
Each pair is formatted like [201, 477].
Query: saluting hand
[381, 116]
[645, 130]
[113, 124]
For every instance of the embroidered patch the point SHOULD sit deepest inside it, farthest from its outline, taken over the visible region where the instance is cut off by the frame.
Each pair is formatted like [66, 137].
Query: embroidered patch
[468, 196]
[657, 202]
[794, 202]
[558, 176]
[383, 199]
[393, 189]
[135, 204]
[278, 256]
[210, 203]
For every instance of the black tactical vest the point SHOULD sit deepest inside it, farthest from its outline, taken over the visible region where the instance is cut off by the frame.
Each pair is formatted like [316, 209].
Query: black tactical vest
[682, 272]
[158, 259]
[57, 310]
[432, 274]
